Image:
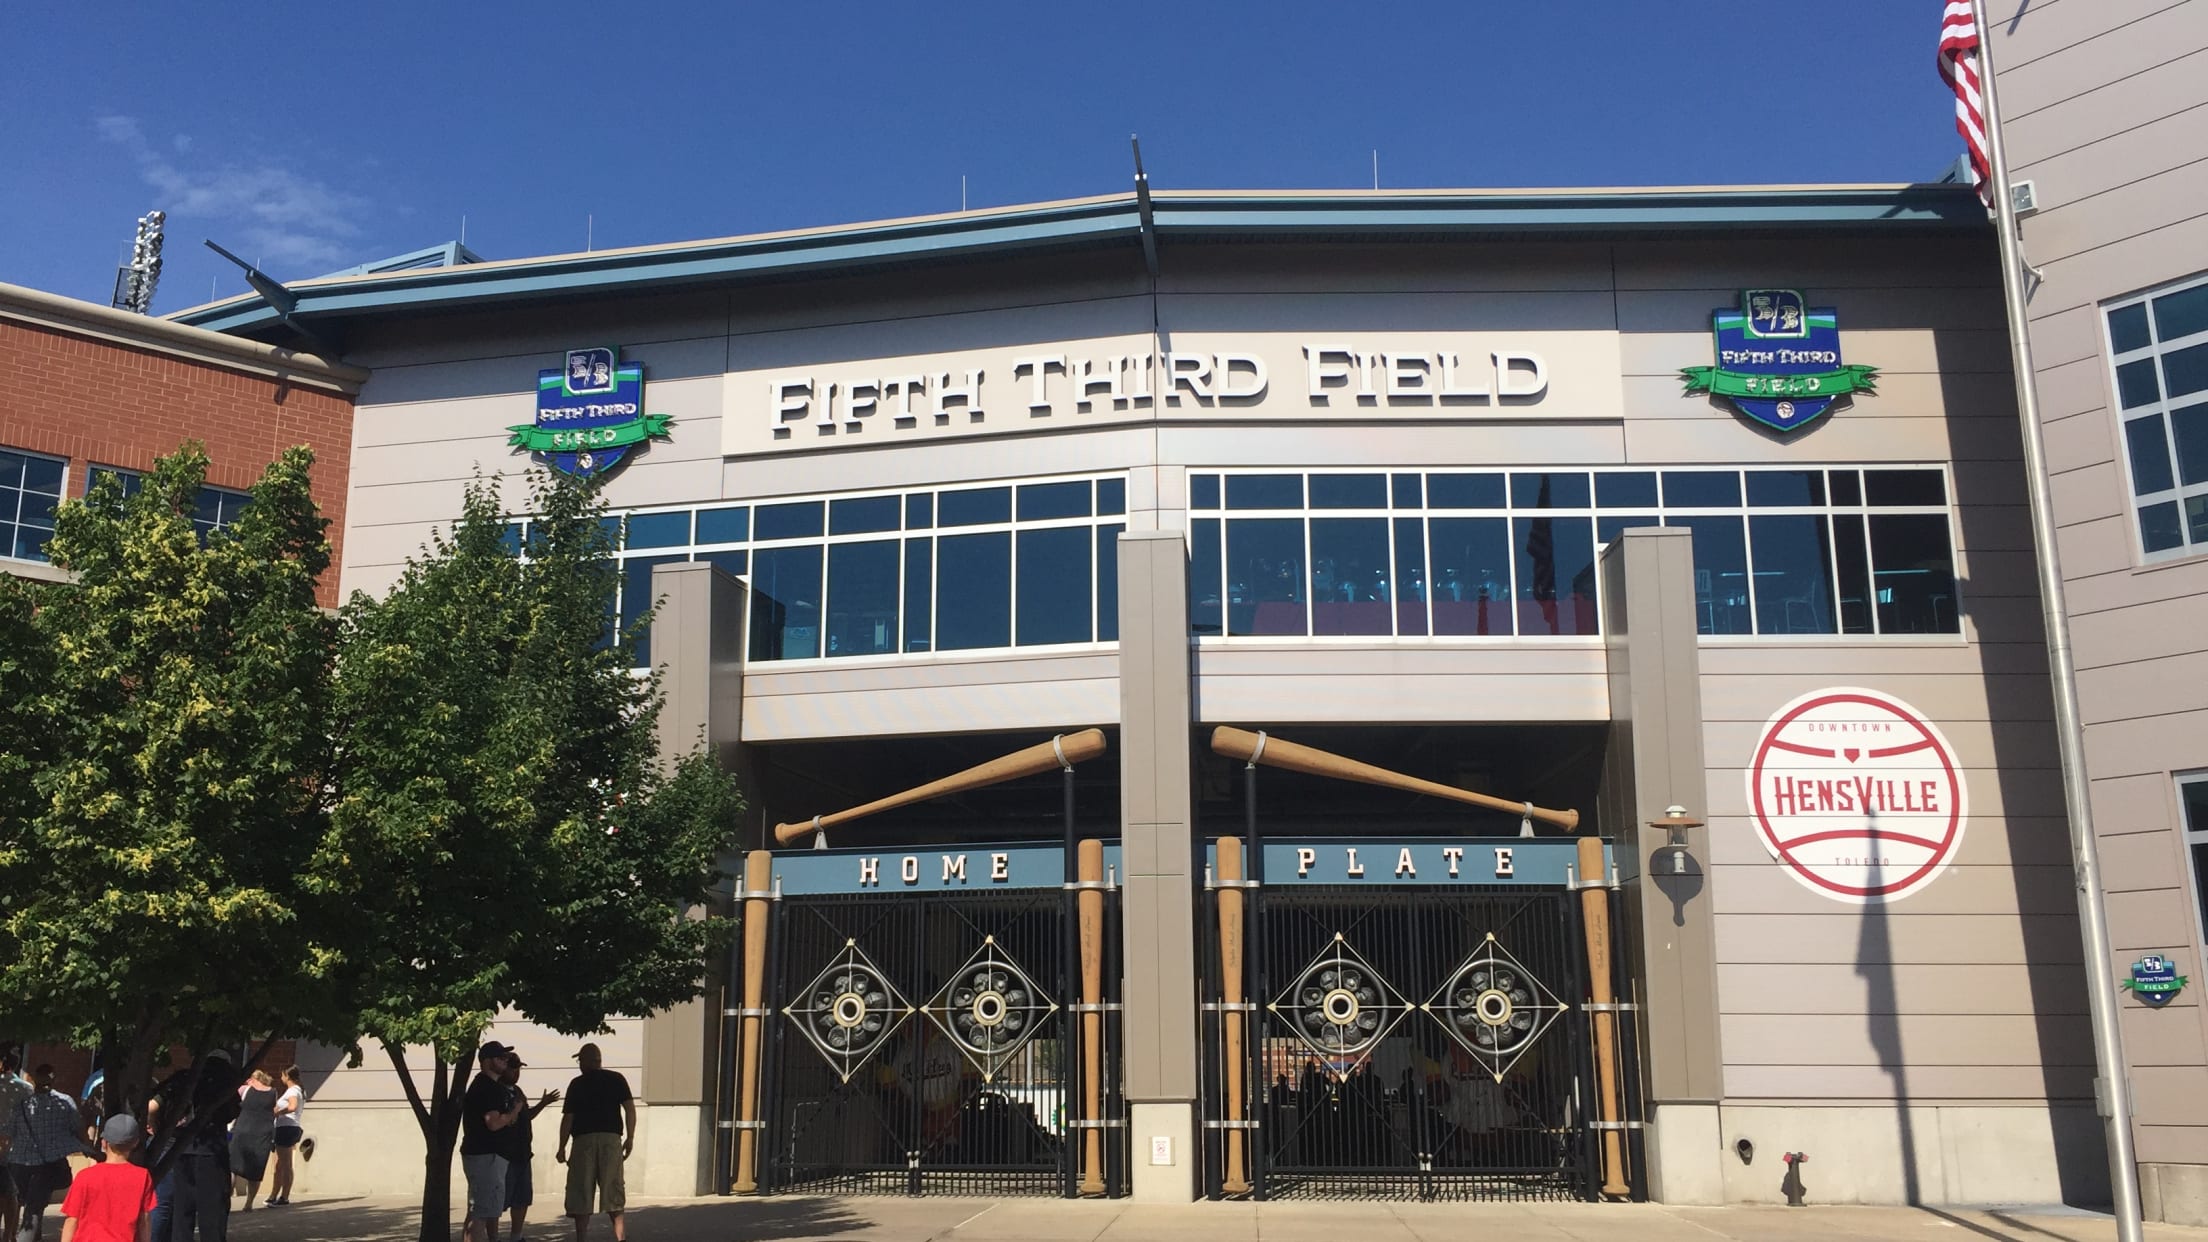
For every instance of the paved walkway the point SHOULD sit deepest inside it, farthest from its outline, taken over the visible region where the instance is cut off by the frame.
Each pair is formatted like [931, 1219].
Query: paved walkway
[1033, 1220]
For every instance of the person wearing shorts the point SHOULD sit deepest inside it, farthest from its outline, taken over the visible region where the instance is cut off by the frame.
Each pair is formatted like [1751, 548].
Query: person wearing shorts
[598, 1121]
[488, 1107]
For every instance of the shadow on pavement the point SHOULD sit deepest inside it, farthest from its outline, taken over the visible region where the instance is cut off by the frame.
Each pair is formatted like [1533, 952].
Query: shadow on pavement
[709, 1220]
[2012, 1230]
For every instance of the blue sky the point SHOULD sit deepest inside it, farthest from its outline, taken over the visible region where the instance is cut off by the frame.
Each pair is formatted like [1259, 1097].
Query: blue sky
[314, 137]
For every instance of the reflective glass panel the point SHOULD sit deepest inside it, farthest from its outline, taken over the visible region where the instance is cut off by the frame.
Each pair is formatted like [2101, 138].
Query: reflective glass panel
[1720, 574]
[1913, 572]
[1847, 486]
[862, 596]
[1550, 490]
[1793, 578]
[1206, 611]
[919, 593]
[1408, 493]
[863, 515]
[1107, 582]
[1701, 489]
[637, 600]
[2179, 314]
[1043, 501]
[2196, 518]
[724, 525]
[973, 590]
[1778, 489]
[1851, 556]
[919, 511]
[734, 562]
[2159, 527]
[1471, 575]
[1608, 525]
[791, 521]
[1464, 491]
[2190, 428]
[2185, 370]
[1055, 578]
[785, 603]
[1626, 489]
[1410, 575]
[1203, 491]
[1265, 577]
[1904, 487]
[1264, 491]
[1556, 575]
[2150, 455]
[2127, 328]
[974, 507]
[658, 530]
[1350, 568]
[1111, 496]
[2137, 384]
[1349, 491]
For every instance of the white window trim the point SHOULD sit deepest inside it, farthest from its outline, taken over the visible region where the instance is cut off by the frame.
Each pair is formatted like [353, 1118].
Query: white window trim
[14, 519]
[2161, 408]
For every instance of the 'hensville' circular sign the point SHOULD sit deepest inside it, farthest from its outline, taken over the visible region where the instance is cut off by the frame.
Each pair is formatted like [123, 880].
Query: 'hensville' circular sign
[1857, 795]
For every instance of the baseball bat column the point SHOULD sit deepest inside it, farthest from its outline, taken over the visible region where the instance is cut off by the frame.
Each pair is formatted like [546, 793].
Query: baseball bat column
[1059, 752]
[758, 875]
[1091, 879]
[1594, 910]
[1271, 751]
[1229, 876]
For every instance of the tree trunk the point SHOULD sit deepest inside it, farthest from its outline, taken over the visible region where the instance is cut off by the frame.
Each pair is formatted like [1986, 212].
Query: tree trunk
[439, 1118]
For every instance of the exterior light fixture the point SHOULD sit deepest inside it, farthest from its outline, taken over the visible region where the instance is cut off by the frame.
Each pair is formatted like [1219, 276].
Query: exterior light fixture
[1672, 858]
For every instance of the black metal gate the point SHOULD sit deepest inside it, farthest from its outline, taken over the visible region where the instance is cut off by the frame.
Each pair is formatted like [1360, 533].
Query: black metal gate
[931, 1042]
[1408, 1041]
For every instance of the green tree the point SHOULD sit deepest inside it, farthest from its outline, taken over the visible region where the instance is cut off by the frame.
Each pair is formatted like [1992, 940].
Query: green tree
[162, 757]
[503, 834]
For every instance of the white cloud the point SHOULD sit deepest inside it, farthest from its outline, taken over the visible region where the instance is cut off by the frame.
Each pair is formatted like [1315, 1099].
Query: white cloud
[273, 216]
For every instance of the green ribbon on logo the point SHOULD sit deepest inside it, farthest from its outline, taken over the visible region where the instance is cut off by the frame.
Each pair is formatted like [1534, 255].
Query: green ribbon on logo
[1724, 383]
[580, 439]
[2156, 986]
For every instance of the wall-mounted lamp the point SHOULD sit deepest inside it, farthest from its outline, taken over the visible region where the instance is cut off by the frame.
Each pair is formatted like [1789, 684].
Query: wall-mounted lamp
[1671, 858]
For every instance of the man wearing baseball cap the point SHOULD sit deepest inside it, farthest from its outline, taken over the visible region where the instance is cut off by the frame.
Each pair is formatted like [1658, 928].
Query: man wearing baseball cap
[487, 1108]
[109, 1201]
[598, 1104]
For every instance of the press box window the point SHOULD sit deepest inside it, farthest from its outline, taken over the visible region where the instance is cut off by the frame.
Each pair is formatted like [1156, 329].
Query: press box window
[30, 488]
[2158, 348]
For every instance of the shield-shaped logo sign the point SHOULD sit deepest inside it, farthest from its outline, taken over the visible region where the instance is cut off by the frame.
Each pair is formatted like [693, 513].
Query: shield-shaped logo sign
[1778, 360]
[590, 413]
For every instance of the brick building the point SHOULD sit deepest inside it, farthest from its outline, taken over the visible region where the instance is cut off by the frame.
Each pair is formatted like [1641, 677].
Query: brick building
[92, 389]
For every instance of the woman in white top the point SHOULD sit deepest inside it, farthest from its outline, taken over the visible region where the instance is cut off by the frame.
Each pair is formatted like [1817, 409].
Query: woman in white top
[290, 1128]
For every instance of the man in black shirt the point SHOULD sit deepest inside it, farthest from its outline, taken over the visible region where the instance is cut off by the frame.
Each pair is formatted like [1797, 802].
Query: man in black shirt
[599, 1118]
[488, 1107]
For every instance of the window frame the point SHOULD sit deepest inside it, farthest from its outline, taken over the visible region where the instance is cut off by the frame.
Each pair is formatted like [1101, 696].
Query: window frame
[2160, 408]
[14, 521]
[2188, 837]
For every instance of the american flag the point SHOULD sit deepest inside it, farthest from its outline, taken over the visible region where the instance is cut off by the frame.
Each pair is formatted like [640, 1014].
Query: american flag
[1959, 65]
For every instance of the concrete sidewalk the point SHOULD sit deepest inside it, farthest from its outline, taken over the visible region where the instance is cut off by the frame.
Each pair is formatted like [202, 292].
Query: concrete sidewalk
[1045, 1220]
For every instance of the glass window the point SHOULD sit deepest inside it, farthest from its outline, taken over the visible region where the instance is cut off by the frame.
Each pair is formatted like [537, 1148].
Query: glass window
[974, 507]
[1609, 525]
[973, 589]
[1265, 575]
[1701, 489]
[724, 525]
[1054, 604]
[1786, 489]
[511, 537]
[2137, 384]
[2192, 809]
[2159, 528]
[1556, 574]
[1408, 493]
[1471, 575]
[1349, 575]
[2127, 328]
[1107, 583]
[862, 595]
[1205, 608]
[1851, 556]
[1349, 491]
[2150, 455]
[919, 593]
[2178, 314]
[1464, 491]
[2196, 518]
[658, 530]
[1847, 486]
[1889, 488]
[1720, 574]
[1264, 491]
[862, 515]
[1043, 501]
[638, 599]
[1549, 491]
[1203, 491]
[1631, 489]
[734, 562]
[2189, 427]
[1793, 578]
[130, 482]
[2185, 371]
[217, 507]
[785, 603]
[1410, 574]
[920, 511]
[1111, 496]
[1913, 572]
[790, 521]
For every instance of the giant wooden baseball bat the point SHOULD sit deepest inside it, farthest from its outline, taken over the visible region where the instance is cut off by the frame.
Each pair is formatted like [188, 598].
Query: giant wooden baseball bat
[758, 875]
[1041, 757]
[1594, 910]
[1089, 856]
[1236, 1181]
[1274, 752]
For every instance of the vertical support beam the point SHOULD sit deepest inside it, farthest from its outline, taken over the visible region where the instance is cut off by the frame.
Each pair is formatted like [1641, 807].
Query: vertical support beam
[697, 648]
[1156, 847]
[1654, 759]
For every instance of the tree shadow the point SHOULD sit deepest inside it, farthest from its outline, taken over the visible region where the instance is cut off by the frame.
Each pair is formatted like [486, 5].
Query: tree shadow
[703, 1220]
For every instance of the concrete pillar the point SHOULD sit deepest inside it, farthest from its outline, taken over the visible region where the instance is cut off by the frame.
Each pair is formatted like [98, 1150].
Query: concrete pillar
[1156, 831]
[1654, 760]
[697, 646]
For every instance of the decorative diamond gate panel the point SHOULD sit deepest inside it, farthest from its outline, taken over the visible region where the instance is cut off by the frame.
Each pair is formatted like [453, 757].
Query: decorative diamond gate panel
[927, 1042]
[1408, 1040]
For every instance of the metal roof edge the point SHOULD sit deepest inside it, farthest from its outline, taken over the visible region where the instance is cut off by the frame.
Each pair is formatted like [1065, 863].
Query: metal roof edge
[1191, 214]
[56, 313]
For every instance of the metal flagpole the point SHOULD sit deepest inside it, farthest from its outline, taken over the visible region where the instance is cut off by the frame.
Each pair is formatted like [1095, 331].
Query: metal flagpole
[2112, 1082]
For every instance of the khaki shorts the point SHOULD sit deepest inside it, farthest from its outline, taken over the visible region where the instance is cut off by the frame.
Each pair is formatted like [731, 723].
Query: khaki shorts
[594, 1162]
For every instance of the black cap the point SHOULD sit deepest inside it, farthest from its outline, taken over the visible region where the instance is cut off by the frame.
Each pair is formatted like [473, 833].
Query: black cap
[493, 1049]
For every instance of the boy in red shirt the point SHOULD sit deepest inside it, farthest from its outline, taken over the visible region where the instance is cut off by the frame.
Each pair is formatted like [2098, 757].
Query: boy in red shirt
[110, 1202]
